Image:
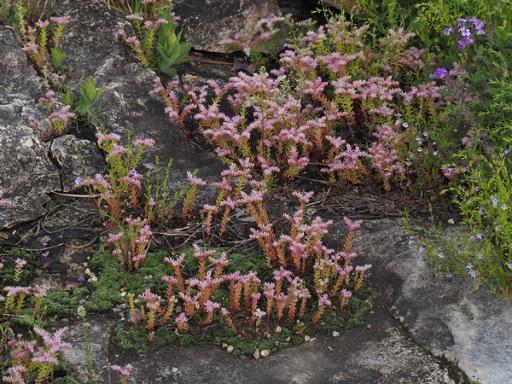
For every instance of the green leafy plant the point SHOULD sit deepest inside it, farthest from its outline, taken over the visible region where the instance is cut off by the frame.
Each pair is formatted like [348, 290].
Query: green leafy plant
[58, 58]
[89, 97]
[171, 50]
[156, 43]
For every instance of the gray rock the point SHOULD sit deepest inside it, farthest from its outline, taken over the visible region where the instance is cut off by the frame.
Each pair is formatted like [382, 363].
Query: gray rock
[382, 355]
[76, 158]
[449, 317]
[206, 24]
[26, 173]
[129, 104]
[76, 359]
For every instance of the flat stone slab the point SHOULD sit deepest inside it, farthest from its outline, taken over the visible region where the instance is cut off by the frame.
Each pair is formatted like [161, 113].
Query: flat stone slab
[378, 355]
[129, 104]
[26, 173]
[447, 316]
[97, 340]
[377, 352]
[207, 24]
[76, 158]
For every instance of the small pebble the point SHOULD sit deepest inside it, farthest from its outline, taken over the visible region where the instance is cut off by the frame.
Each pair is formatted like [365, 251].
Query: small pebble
[451, 221]
[369, 326]
[278, 329]
[330, 348]
[224, 345]
[230, 348]
[265, 353]
[174, 370]
[335, 333]
[256, 354]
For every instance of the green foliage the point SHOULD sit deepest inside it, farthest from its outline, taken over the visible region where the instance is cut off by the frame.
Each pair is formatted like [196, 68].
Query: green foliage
[170, 49]
[58, 58]
[157, 191]
[383, 14]
[64, 303]
[485, 201]
[89, 96]
[159, 47]
[112, 280]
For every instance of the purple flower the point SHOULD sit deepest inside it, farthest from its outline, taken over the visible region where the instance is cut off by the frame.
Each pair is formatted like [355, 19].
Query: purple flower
[464, 31]
[463, 43]
[439, 73]
[479, 26]
[471, 271]
[447, 31]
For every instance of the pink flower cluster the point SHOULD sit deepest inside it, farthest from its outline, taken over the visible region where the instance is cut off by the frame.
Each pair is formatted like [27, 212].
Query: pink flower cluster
[130, 243]
[308, 277]
[4, 202]
[315, 109]
[29, 356]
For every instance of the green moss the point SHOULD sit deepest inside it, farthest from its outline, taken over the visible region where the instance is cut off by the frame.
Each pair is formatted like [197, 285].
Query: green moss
[106, 291]
[130, 338]
[64, 303]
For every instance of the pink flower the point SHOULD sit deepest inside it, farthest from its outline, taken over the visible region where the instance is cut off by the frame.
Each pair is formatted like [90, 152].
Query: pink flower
[31, 48]
[153, 24]
[169, 280]
[60, 20]
[352, 225]
[363, 268]
[324, 301]
[123, 371]
[40, 290]
[3, 202]
[181, 319]
[211, 306]
[114, 137]
[295, 160]
[15, 375]
[20, 263]
[144, 143]
[44, 357]
[304, 197]
[15, 291]
[53, 341]
[200, 254]
[118, 150]
[450, 173]
[43, 24]
[134, 17]
[195, 181]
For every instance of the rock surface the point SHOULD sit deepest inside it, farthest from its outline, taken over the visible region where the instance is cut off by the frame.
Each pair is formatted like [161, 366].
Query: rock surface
[378, 353]
[129, 103]
[76, 158]
[206, 24]
[26, 173]
[446, 316]
[98, 339]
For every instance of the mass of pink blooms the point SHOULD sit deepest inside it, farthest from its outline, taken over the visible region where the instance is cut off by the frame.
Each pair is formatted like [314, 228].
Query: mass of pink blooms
[335, 104]
[308, 278]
